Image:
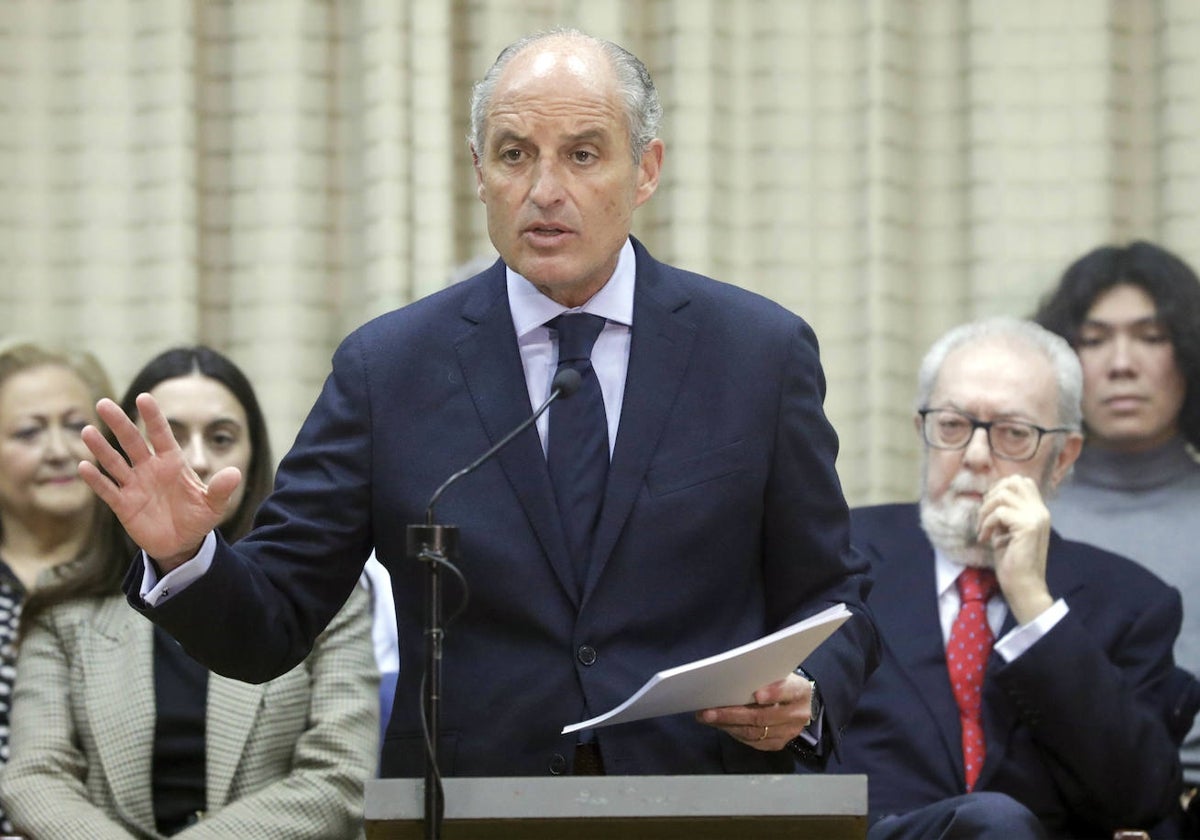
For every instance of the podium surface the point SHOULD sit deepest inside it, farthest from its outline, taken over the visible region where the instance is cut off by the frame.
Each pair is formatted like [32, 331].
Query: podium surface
[660, 807]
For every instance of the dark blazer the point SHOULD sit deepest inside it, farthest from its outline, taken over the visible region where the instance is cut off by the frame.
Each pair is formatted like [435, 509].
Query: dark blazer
[1075, 727]
[723, 520]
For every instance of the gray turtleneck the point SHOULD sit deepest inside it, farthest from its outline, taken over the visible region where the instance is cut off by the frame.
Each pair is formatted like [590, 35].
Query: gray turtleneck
[1146, 506]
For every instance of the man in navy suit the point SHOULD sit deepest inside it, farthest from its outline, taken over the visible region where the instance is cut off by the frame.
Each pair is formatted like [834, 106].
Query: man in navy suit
[1072, 735]
[722, 517]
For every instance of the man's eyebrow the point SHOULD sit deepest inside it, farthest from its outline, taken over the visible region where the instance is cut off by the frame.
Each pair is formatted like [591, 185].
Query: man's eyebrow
[587, 136]
[504, 135]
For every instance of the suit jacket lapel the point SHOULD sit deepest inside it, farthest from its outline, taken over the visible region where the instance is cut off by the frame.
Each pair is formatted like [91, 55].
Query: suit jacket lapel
[906, 612]
[120, 704]
[495, 379]
[658, 357]
[232, 712]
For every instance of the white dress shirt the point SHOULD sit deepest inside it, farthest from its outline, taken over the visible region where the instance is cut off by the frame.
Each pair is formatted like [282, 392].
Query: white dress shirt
[610, 356]
[1016, 641]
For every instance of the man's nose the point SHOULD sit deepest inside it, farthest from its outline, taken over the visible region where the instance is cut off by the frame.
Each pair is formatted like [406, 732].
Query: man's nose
[547, 186]
[978, 453]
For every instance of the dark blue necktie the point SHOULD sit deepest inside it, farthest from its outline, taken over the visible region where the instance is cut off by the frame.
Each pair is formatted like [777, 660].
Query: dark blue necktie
[577, 450]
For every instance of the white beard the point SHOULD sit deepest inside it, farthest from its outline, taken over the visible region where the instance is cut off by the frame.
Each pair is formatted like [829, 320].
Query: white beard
[952, 524]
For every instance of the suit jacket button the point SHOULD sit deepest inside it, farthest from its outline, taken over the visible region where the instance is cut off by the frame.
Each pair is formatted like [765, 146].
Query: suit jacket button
[586, 655]
[558, 764]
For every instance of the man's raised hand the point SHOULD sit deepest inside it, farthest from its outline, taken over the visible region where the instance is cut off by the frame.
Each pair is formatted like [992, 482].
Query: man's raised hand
[164, 506]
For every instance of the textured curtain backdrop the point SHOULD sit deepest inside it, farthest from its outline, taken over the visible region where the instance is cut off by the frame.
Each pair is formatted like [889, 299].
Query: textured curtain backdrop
[264, 175]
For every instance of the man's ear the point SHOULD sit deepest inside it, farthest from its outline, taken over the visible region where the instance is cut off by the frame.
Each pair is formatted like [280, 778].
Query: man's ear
[649, 169]
[1066, 457]
[479, 189]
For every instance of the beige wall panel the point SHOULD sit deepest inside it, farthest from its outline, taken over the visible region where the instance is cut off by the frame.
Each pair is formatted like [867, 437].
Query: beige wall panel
[266, 175]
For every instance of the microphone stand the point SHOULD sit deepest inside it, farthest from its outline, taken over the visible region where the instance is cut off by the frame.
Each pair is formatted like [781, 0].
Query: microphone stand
[435, 546]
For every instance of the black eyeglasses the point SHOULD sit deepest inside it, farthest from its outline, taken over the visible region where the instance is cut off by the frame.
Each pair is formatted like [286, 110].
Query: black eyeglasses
[1012, 440]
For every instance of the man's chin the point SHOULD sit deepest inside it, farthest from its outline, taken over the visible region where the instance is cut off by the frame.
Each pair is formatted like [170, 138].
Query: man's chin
[952, 529]
[967, 553]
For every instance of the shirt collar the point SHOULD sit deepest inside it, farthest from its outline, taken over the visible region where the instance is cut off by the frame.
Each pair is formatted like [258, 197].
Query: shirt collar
[531, 309]
[947, 571]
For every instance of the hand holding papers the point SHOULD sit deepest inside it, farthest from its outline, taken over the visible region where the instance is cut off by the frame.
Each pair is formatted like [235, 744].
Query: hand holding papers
[725, 679]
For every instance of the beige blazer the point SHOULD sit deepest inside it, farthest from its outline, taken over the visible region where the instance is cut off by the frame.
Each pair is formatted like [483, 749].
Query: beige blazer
[286, 759]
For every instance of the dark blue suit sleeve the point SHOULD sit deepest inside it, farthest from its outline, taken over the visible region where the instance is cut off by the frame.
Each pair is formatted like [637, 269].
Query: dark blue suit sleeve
[273, 593]
[807, 543]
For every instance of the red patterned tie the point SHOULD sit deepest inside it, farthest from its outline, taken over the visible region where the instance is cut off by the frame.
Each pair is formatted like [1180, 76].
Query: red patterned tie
[966, 656]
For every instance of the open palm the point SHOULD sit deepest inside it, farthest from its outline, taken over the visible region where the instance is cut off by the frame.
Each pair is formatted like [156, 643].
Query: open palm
[164, 506]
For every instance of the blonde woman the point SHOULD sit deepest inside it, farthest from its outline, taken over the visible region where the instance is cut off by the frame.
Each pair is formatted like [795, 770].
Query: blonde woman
[49, 519]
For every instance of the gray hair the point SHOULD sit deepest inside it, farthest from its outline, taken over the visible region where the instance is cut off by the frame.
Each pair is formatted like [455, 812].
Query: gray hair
[643, 110]
[1015, 332]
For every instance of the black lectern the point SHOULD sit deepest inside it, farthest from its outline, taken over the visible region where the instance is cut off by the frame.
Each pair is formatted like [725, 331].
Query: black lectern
[627, 807]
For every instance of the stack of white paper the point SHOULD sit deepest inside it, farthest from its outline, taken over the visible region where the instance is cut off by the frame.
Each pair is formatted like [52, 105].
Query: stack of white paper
[725, 679]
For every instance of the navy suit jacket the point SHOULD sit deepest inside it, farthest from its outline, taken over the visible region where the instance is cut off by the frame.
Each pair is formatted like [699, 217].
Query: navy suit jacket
[723, 520]
[1076, 726]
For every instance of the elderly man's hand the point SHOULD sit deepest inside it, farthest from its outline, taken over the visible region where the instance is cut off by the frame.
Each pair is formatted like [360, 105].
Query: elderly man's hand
[1015, 522]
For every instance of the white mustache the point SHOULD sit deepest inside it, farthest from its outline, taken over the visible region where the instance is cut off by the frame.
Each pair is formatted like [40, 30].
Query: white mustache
[965, 482]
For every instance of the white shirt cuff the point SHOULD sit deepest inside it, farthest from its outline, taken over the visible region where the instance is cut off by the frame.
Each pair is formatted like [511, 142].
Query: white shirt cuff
[1020, 639]
[155, 591]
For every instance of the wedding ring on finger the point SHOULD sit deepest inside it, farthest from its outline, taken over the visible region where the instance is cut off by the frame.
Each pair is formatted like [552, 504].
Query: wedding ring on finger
[763, 736]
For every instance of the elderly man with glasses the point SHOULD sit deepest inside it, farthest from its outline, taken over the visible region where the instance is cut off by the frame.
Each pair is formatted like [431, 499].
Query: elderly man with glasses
[1020, 691]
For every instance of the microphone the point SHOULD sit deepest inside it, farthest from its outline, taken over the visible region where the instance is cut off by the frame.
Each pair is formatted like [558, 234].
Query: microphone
[565, 383]
[437, 546]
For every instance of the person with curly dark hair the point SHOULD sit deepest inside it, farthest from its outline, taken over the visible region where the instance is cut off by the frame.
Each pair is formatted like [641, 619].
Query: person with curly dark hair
[1132, 313]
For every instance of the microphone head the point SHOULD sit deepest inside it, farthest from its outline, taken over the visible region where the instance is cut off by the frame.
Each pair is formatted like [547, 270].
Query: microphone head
[566, 382]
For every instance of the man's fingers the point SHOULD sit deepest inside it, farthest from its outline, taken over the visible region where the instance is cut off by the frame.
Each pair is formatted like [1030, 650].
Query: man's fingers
[101, 485]
[755, 734]
[988, 523]
[222, 486]
[158, 430]
[108, 458]
[786, 690]
[123, 429]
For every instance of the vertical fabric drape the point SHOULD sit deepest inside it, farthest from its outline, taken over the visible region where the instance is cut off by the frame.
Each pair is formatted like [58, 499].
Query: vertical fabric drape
[264, 175]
